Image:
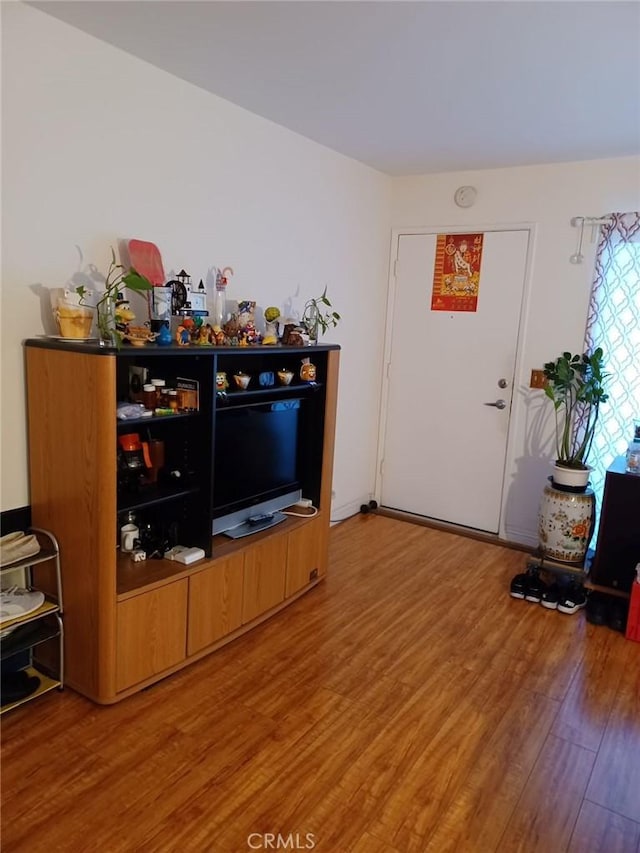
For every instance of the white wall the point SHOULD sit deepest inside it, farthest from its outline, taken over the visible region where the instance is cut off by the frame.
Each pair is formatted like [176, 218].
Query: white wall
[100, 147]
[548, 197]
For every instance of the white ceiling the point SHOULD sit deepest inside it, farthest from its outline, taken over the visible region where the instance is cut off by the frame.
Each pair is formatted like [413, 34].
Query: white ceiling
[406, 87]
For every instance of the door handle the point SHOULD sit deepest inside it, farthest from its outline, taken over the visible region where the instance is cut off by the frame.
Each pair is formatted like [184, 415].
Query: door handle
[499, 404]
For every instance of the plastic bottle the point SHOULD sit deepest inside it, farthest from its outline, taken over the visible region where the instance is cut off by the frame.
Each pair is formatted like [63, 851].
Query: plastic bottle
[633, 451]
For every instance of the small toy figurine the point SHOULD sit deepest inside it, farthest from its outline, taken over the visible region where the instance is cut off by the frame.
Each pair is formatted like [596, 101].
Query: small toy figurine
[271, 316]
[222, 383]
[285, 376]
[164, 335]
[183, 338]
[308, 371]
[204, 339]
[123, 315]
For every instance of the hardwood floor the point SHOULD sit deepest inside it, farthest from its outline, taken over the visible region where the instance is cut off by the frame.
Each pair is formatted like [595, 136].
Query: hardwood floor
[406, 704]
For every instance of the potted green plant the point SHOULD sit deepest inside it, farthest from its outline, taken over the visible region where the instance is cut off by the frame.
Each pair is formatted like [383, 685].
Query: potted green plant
[575, 386]
[117, 278]
[316, 317]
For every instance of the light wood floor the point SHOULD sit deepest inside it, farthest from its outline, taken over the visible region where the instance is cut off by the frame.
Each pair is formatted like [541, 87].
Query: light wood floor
[406, 704]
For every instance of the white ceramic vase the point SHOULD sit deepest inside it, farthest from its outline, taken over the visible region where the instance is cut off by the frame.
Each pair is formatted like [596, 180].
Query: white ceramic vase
[565, 524]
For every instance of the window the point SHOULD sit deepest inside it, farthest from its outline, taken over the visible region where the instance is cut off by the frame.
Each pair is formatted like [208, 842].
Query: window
[614, 324]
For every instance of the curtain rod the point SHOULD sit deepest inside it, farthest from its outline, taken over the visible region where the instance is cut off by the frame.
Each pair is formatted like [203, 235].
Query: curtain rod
[581, 221]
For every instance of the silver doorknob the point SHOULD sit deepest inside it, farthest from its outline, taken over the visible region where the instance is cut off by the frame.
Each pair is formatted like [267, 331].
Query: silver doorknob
[499, 404]
[502, 383]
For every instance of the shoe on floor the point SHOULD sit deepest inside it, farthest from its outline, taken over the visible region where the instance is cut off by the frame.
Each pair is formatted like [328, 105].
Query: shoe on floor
[617, 613]
[518, 586]
[535, 589]
[597, 609]
[550, 597]
[572, 599]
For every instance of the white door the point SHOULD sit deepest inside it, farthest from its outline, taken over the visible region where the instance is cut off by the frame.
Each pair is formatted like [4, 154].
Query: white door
[450, 383]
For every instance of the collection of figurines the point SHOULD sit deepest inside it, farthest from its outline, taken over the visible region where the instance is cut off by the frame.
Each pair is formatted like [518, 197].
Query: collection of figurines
[180, 316]
[267, 378]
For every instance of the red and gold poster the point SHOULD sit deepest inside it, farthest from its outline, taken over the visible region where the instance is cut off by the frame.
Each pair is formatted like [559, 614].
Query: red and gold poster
[456, 277]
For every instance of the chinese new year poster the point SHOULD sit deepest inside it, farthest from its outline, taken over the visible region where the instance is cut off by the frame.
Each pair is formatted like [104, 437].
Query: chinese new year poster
[456, 278]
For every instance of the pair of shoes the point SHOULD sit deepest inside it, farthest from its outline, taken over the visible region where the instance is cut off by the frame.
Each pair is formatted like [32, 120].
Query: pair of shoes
[607, 610]
[551, 597]
[527, 586]
[568, 599]
[572, 598]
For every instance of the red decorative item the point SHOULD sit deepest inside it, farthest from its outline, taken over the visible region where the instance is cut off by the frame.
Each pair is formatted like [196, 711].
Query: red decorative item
[633, 620]
[145, 259]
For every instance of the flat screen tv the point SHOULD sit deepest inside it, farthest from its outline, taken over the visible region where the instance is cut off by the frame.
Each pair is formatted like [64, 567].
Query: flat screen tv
[256, 463]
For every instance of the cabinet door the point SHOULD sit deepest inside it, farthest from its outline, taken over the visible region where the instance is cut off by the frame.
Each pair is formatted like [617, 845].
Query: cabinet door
[265, 567]
[215, 602]
[152, 633]
[307, 555]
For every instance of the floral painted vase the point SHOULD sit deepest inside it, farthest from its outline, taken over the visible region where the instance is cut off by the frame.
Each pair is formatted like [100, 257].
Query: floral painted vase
[565, 524]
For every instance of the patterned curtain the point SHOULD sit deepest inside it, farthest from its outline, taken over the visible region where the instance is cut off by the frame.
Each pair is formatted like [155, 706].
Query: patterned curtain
[613, 323]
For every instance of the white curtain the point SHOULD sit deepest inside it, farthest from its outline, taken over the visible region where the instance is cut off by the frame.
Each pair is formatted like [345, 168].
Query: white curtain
[613, 323]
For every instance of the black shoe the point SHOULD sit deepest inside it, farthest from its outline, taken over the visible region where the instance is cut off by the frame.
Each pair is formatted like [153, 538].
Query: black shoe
[550, 597]
[617, 616]
[17, 685]
[572, 599]
[597, 609]
[518, 586]
[535, 589]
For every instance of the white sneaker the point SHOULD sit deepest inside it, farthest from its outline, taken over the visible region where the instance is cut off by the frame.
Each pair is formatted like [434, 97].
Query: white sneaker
[16, 601]
[17, 546]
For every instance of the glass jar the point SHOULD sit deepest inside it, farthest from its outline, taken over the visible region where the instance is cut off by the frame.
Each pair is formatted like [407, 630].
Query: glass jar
[160, 386]
[149, 396]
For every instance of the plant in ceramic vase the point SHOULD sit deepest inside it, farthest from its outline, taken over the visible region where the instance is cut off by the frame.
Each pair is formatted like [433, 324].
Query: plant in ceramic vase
[316, 317]
[575, 386]
[117, 278]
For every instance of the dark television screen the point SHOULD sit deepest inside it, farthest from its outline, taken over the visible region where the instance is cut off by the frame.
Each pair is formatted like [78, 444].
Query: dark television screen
[256, 454]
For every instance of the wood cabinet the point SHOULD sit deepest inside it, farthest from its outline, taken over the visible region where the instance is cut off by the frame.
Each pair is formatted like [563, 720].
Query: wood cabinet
[265, 568]
[306, 555]
[127, 624]
[215, 602]
[151, 633]
[618, 547]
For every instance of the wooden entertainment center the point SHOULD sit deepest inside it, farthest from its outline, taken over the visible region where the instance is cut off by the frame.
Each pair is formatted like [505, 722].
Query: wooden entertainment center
[128, 624]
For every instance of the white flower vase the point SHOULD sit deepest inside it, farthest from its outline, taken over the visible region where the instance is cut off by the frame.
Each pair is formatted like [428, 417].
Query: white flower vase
[565, 524]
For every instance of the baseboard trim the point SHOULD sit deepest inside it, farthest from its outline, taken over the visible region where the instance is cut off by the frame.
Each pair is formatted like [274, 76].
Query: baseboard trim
[460, 530]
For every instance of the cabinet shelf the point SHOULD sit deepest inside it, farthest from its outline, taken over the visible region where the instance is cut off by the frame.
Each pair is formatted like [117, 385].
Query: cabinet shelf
[153, 496]
[275, 391]
[126, 424]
